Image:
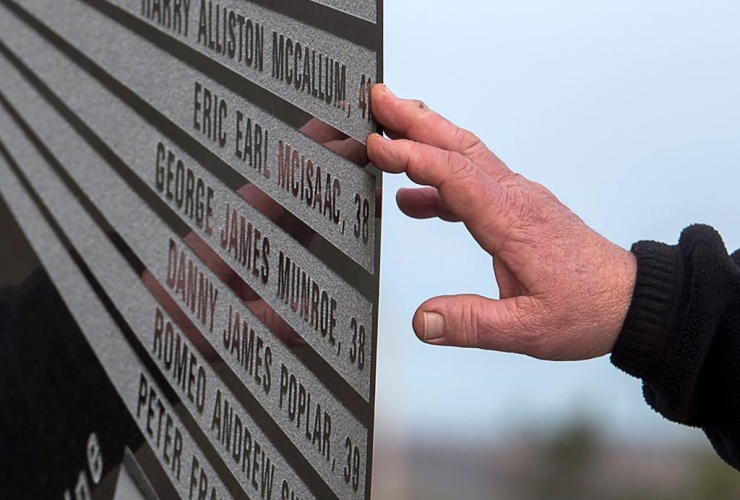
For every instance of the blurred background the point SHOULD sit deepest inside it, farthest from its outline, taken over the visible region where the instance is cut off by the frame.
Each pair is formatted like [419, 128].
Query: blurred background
[629, 112]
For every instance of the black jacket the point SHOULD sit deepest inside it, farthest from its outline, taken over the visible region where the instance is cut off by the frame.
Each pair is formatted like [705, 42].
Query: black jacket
[682, 335]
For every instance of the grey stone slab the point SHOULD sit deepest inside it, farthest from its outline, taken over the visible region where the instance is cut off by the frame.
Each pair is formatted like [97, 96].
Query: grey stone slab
[150, 238]
[196, 306]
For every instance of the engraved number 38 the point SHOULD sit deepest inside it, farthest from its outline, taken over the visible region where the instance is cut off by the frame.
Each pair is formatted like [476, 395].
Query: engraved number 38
[363, 218]
[357, 351]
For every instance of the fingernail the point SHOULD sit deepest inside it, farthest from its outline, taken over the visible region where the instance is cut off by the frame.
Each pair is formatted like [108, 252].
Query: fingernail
[387, 89]
[434, 325]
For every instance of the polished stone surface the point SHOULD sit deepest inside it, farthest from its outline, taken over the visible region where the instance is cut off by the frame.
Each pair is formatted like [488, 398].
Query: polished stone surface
[188, 301]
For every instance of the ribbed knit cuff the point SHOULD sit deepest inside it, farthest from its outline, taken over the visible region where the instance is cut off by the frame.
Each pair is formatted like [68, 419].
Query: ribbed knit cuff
[652, 312]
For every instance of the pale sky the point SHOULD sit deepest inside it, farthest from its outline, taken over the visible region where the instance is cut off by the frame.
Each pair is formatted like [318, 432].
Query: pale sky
[628, 110]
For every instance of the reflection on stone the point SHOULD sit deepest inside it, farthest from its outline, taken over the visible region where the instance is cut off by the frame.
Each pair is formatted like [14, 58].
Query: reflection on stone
[194, 195]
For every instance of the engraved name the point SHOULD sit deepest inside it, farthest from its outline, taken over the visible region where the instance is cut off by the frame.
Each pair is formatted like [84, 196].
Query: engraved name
[190, 284]
[210, 119]
[249, 349]
[304, 180]
[186, 192]
[179, 361]
[245, 244]
[158, 424]
[308, 70]
[227, 32]
[173, 15]
[306, 298]
[295, 401]
[241, 447]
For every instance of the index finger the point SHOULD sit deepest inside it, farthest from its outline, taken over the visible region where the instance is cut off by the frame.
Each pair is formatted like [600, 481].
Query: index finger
[470, 194]
[414, 120]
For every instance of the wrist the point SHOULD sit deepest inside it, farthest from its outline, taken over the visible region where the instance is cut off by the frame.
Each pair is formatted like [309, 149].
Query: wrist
[625, 278]
[654, 303]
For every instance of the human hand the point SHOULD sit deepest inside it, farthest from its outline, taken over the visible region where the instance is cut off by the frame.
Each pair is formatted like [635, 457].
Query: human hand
[564, 289]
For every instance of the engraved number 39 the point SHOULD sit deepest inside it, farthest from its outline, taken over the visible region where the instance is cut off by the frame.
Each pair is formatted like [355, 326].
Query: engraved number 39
[352, 469]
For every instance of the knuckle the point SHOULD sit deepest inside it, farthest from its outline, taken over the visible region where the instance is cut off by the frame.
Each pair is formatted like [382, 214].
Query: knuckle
[414, 148]
[416, 111]
[517, 207]
[420, 105]
[512, 180]
[521, 205]
[470, 321]
[543, 191]
[460, 167]
[530, 202]
[466, 141]
[415, 151]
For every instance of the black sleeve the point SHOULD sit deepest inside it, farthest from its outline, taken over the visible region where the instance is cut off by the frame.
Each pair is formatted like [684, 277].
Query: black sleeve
[682, 335]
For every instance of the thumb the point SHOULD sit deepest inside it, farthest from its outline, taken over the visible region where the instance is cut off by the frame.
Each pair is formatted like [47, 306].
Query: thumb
[473, 321]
